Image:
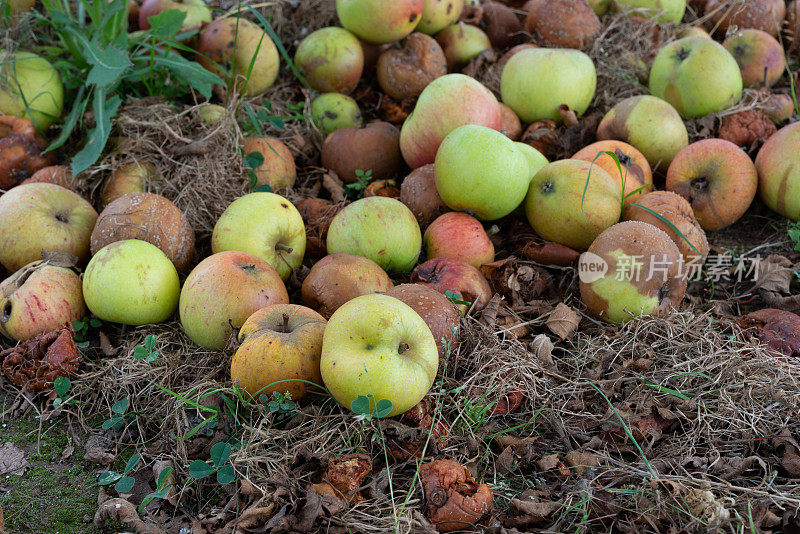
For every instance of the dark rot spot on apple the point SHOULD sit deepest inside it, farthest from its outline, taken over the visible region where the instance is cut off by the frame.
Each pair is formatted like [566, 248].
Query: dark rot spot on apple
[412, 17]
[663, 293]
[623, 158]
[284, 205]
[331, 115]
[739, 51]
[62, 218]
[700, 184]
[449, 8]
[249, 269]
[682, 54]
[7, 309]
[370, 347]
[548, 187]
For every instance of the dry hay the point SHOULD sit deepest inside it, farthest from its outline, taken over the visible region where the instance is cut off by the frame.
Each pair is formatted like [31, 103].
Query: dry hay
[708, 402]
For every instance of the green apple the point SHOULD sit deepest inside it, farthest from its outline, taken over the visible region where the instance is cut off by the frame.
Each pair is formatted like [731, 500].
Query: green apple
[447, 102]
[600, 7]
[335, 111]
[39, 298]
[650, 125]
[536, 81]
[381, 229]
[331, 59]
[481, 171]
[265, 225]
[562, 207]
[41, 216]
[31, 88]
[247, 49]
[697, 76]
[222, 292]
[439, 14]
[131, 282]
[536, 159]
[211, 113]
[280, 351]
[778, 165]
[379, 21]
[379, 347]
[197, 12]
[663, 10]
[631, 269]
[462, 42]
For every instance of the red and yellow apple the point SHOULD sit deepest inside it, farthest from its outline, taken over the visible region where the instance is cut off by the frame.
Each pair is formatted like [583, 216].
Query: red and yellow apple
[634, 177]
[380, 21]
[278, 169]
[462, 42]
[460, 236]
[759, 55]
[465, 282]
[778, 165]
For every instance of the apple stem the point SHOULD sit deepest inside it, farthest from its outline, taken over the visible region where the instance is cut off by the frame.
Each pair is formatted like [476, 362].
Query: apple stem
[285, 323]
[284, 248]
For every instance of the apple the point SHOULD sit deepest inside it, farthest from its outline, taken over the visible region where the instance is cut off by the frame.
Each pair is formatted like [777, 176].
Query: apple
[633, 176]
[697, 76]
[563, 23]
[40, 216]
[481, 171]
[642, 275]
[278, 170]
[379, 347]
[693, 31]
[131, 282]
[460, 236]
[536, 159]
[778, 165]
[418, 192]
[54, 174]
[38, 299]
[31, 88]
[561, 207]
[765, 15]
[511, 125]
[661, 10]
[131, 177]
[717, 178]
[280, 351]
[462, 42]
[464, 282]
[334, 111]
[375, 147]
[649, 124]
[246, 47]
[148, 217]
[21, 151]
[536, 81]
[600, 7]
[778, 107]
[760, 57]
[501, 25]
[676, 219]
[380, 21]
[211, 114]
[439, 14]
[265, 225]
[331, 59]
[381, 229]
[445, 104]
[340, 277]
[405, 72]
[435, 309]
[197, 12]
[222, 292]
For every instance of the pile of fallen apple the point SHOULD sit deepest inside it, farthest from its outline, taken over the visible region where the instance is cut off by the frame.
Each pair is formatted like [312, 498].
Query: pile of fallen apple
[357, 333]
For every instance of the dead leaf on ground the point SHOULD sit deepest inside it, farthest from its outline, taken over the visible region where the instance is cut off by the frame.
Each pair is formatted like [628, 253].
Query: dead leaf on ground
[530, 509]
[322, 501]
[97, 451]
[172, 494]
[778, 329]
[455, 500]
[251, 519]
[789, 451]
[581, 462]
[105, 345]
[12, 460]
[542, 349]
[774, 274]
[346, 474]
[68, 451]
[563, 321]
[550, 253]
[551, 464]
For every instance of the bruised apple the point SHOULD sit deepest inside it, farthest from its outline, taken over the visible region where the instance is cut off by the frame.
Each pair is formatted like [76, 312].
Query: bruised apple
[148, 217]
[463, 282]
[340, 277]
[405, 72]
[222, 292]
[641, 273]
[334, 111]
[374, 147]
[633, 171]
[717, 178]
[563, 23]
[445, 104]
[38, 299]
[438, 14]
[460, 236]
[331, 59]
[759, 56]
[279, 352]
[278, 169]
[563, 208]
[418, 192]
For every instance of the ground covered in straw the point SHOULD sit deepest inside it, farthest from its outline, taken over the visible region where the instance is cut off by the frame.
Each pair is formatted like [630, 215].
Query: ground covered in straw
[684, 423]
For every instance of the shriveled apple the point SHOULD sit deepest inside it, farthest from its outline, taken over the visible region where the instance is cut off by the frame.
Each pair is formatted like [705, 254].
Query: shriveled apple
[375, 147]
[435, 309]
[419, 193]
[405, 72]
[563, 23]
[456, 279]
